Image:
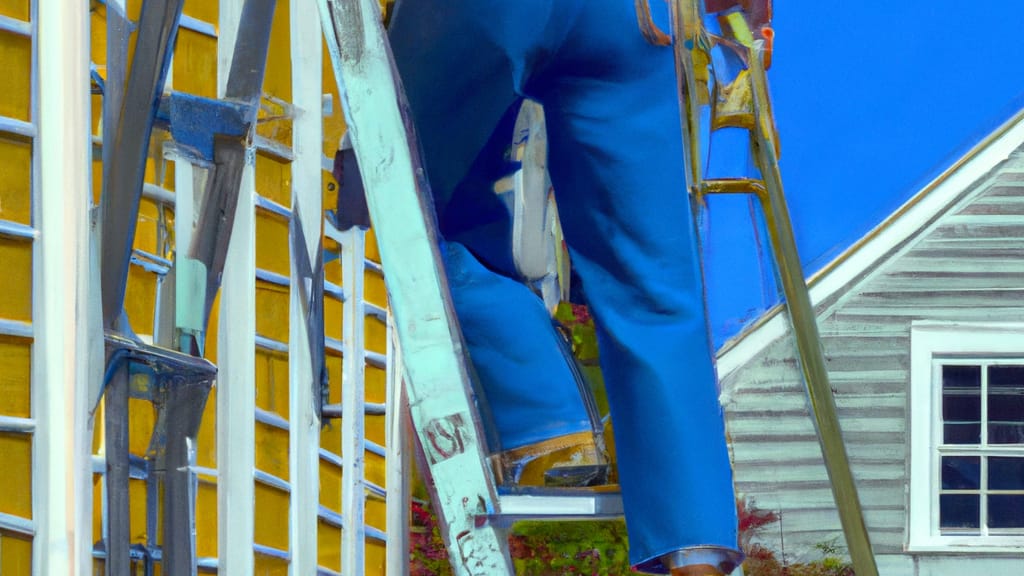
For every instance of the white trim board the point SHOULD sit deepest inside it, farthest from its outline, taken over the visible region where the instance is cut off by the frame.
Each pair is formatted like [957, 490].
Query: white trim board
[879, 244]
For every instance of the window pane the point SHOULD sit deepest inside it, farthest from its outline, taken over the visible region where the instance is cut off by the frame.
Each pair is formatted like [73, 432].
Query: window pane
[1006, 404]
[1005, 376]
[962, 433]
[1005, 473]
[961, 472]
[959, 511]
[1006, 511]
[961, 404]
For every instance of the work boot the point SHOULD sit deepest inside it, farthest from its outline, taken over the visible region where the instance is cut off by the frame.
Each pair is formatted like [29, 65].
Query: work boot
[572, 460]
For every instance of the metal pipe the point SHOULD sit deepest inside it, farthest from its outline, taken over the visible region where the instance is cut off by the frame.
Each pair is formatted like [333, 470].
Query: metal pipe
[184, 411]
[116, 438]
[158, 27]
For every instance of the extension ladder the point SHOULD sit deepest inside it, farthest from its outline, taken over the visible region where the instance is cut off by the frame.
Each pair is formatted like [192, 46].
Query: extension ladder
[475, 512]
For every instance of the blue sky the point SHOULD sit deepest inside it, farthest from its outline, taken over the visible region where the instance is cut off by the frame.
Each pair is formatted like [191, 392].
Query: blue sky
[872, 100]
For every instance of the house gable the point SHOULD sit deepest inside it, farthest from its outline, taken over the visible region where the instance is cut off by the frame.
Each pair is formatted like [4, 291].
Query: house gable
[955, 253]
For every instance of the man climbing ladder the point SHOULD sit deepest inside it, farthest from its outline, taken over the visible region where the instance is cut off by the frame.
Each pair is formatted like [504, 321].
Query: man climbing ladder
[615, 157]
[614, 139]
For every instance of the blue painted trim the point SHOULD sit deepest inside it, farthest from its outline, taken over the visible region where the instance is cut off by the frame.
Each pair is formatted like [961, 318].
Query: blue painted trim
[196, 25]
[272, 207]
[15, 26]
[18, 127]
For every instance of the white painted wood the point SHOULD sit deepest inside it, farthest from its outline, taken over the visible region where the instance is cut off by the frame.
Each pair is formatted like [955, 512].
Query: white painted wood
[353, 396]
[398, 498]
[236, 393]
[62, 494]
[307, 210]
[879, 244]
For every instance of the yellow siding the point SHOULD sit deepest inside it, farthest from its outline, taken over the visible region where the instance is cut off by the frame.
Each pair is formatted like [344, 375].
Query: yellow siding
[277, 81]
[16, 81]
[16, 256]
[15, 376]
[137, 522]
[375, 335]
[195, 71]
[206, 440]
[376, 473]
[272, 243]
[272, 311]
[15, 554]
[329, 547]
[330, 486]
[19, 9]
[274, 179]
[206, 515]
[269, 566]
[16, 475]
[272, 382]
[376, 384]
[272, 450]
[205, 10]
[376, 553]
[140, 299]
[333, 316]
[375, 427]
[271, 517]
[16, 180]
[374, 288]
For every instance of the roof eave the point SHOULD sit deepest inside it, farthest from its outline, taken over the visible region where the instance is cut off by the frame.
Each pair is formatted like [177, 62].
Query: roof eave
[878, 244]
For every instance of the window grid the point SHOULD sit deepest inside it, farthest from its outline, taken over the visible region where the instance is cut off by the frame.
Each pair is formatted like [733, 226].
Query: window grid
[983, 450]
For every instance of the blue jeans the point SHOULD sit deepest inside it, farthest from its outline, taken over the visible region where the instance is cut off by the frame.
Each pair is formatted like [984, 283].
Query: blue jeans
[616, 163]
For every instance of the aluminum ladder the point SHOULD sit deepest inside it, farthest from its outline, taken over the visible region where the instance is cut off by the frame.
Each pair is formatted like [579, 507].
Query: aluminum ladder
[751, 109]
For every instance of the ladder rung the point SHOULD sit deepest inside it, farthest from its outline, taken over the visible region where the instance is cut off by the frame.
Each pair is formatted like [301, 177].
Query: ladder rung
[734, 186]
[556, 504]
[333, 411]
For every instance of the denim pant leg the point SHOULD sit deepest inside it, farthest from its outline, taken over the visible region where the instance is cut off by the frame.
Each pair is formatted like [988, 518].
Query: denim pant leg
[463, 69]
[616, 161]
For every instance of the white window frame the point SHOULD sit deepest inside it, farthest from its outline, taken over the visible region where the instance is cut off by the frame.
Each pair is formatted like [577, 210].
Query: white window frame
[929, 343]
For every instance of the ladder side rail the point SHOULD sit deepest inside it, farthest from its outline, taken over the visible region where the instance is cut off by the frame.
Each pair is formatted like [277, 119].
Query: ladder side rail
[306, 319]
[353, 398]
[805, 330]
[63, 366]
[438, 386]
[236, 350]
[398, 497]
[687, 25]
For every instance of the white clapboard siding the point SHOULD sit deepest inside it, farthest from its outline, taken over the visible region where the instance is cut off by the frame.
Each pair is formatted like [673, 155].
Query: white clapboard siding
[965, 263]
